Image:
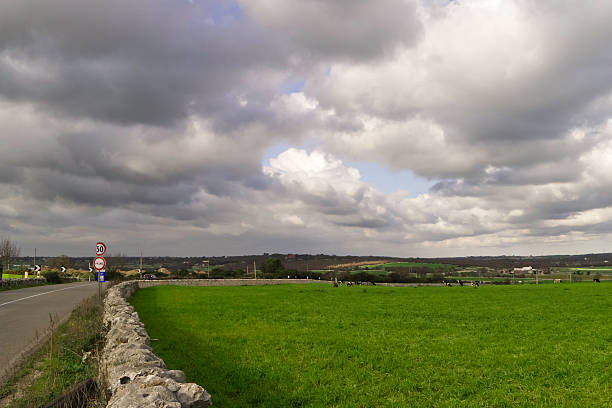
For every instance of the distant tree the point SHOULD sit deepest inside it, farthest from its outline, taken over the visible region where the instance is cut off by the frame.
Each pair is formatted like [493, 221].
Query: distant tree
[181, 273]
[8, 251]
[114, 264]
[422, 271]
[362, 277]
[272, 266]
[59, 261]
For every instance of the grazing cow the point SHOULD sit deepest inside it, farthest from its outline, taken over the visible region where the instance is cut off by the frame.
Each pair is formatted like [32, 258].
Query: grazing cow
[475, 284]
[460, 282]
[557, 280]
[596, 280]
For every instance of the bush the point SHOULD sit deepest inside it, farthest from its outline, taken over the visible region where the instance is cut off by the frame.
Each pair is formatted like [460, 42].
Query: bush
[113, 275]
[52, 276]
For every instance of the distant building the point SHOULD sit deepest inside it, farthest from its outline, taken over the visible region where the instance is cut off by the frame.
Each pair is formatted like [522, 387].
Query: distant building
[523, 269]
[291, 257]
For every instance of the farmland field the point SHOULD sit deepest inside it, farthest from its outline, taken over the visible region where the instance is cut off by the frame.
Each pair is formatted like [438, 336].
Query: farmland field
[319, 346]
[414, 264]
[16, 276]
[594, 269]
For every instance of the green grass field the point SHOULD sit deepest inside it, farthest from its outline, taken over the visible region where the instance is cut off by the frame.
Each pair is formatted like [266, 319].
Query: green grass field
[437, 266]
[594, 269]
[16, 276]
[319, 346]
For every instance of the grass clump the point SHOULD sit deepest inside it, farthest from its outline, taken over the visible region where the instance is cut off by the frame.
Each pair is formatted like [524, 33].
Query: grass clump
[319, 346]
[69, 356]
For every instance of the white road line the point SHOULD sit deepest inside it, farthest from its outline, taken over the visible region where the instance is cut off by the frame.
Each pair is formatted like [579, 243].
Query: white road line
[40, 294]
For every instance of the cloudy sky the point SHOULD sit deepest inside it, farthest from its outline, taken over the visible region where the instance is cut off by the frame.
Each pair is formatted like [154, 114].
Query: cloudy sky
[388, 127]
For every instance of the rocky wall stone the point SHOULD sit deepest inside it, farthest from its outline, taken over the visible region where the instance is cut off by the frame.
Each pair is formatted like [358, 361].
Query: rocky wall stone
[134, 376]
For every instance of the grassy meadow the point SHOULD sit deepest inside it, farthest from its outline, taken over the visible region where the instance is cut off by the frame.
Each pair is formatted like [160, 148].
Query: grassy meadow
[16, 276]
[319, 346]
[435, 266]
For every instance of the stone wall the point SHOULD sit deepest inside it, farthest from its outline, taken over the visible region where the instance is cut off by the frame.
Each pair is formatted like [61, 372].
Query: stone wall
[8, 283]
[134, 376]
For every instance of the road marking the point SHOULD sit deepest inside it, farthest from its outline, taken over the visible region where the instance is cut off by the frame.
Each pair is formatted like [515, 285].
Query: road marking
[40, 294]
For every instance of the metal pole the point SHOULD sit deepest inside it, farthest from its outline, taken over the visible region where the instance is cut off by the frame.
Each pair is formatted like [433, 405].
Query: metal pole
[255, 269]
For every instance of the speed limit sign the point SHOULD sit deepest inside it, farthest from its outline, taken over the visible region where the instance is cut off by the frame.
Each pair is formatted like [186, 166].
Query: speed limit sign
[100, 248]
[99, 263]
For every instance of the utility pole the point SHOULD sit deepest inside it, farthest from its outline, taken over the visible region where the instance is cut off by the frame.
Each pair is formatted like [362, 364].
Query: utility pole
[255, 268]
[140, 269]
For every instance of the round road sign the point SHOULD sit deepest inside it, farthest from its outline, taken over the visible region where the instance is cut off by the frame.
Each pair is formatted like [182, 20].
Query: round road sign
[100, 248]
[99, 263]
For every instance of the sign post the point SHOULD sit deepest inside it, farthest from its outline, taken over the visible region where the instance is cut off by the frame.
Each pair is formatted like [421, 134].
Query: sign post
[100, 265]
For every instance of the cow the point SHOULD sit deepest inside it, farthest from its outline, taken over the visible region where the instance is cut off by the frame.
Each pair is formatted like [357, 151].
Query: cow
[557, 280]
[596, 280]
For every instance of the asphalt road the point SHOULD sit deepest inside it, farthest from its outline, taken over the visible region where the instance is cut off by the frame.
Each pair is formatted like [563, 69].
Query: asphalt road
[24, 315]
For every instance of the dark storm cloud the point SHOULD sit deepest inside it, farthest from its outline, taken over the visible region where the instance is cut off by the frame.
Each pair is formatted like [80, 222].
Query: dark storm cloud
[50, 185]
[347, 29]
[128, 62]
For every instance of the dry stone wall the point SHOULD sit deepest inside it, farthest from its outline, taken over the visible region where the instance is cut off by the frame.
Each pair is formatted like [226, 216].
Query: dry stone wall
[8, 283]
[135, 377]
